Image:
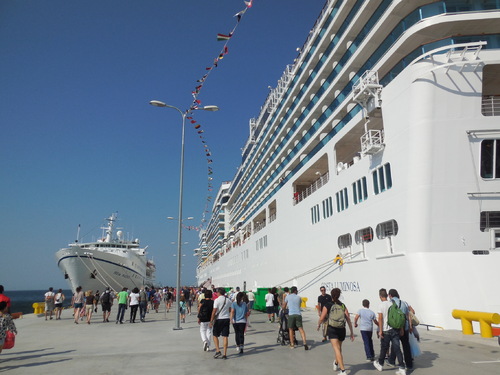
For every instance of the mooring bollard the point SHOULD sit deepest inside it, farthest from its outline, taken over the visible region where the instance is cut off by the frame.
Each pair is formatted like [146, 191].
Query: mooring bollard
[485, 321]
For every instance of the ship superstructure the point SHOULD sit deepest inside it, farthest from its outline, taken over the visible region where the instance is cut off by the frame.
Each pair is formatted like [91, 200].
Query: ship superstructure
[374, 163]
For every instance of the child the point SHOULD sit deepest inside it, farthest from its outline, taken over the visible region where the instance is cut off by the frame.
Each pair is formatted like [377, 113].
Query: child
[6, 323]
[182, 308]
[366, 328]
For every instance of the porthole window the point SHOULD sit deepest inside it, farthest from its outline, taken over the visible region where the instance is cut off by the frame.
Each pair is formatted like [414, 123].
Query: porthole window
[345, 241]
[364, 235]
[386, 229]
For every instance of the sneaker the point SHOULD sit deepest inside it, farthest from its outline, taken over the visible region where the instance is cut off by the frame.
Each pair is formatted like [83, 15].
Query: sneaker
[306, 347]
[401, 371]
[224, 357]
[205, 346]
[335, 366]
[342, 372]
[377, 365]
[292, 346]
[217, 354]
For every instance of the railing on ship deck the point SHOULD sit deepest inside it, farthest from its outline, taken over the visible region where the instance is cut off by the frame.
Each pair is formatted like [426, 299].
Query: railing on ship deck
[311, 189]
[490, 105]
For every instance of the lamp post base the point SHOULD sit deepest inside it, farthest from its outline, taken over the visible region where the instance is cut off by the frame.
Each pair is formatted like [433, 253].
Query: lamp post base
[177, 328]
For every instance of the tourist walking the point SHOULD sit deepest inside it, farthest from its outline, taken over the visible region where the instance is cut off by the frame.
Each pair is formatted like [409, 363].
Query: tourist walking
[106, 303]
[6, 323]
[251, 299]
[408, 328]
[367, 318]
[133, 301]
[143, 304]
[89, 304]
[59, 299]
[4, 298]
[49, 303]
[239, 314]
[337, 315]
[182, 308]
[323, 299]
[122, 305]
[292, 303]
[220, 321]
[77, 303]
[269, 297]
[97, 296]
[388, 335]
[204, 315]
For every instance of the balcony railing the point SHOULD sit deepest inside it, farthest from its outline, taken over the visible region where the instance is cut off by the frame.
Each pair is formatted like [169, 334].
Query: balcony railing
[299, 197]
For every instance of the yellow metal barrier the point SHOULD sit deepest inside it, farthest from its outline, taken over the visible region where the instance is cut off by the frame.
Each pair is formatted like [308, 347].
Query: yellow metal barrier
[485, 321]
[39, 307]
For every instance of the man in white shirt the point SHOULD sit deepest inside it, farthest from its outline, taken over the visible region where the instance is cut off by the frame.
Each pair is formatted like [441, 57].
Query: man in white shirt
[270, 305]
[49, 302]
[220, 321]
[388, 336]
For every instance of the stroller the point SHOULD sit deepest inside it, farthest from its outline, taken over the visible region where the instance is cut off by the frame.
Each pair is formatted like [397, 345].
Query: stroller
[283, 333]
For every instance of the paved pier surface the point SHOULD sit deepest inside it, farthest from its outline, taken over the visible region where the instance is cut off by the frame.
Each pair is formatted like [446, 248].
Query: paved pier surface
[62, 347]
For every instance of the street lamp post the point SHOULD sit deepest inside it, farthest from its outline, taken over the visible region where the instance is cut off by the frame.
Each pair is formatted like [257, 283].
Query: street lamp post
[158, 103]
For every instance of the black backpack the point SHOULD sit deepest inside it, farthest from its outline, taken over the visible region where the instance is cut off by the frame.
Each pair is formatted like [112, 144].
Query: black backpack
[205, 312]
[106, 297]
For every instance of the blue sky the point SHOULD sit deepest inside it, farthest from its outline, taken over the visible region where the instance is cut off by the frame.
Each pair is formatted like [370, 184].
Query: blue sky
[80, 141]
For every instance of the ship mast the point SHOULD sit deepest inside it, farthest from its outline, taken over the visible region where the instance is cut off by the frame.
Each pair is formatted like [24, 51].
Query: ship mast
[109, 229]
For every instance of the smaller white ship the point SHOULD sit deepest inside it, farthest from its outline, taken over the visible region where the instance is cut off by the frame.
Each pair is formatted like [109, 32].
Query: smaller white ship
[110, 261]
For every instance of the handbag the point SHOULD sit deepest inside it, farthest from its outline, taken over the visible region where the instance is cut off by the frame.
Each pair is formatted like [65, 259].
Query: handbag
[10, 340]
[414, 320]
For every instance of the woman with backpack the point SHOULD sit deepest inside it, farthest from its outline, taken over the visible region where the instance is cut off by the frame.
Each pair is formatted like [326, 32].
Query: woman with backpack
[336, 315]
[204, 314]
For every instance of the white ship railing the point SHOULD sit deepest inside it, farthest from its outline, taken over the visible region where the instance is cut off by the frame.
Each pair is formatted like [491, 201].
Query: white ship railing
[311, 189]
[490, 105]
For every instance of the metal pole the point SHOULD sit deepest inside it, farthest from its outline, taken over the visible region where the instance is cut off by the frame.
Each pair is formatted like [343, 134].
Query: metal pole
[179, 234]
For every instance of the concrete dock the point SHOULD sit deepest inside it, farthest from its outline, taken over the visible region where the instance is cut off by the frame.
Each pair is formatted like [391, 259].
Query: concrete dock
[61, 347]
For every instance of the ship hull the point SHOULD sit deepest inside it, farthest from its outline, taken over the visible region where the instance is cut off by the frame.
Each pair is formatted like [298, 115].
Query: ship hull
[95, 270]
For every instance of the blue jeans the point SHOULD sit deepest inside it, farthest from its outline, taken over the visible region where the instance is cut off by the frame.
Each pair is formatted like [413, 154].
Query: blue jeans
[121, 312]
[405, 342]
[143, 306]
[367, 340]
[390, 337]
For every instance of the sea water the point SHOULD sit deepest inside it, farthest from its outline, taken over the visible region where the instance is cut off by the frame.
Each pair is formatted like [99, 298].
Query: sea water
[23, 300]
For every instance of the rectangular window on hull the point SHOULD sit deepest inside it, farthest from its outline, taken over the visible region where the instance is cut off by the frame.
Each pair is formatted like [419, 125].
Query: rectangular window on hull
[382, 179]
[327, 207]
[359, 191]
[315, 216]
[342, 199]
[490, 159]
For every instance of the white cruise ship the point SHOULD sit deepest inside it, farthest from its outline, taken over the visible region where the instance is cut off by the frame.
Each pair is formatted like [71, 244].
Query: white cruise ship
[108, 262]
[374, 163]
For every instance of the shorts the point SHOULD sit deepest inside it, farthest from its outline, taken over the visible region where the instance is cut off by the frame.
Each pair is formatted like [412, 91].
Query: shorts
[89, 307]
[49, 306]
[106, 307]
[221, 328]
[270, 309]
[58, 305]
[336, 333]
[78, 305]
[294, 321]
